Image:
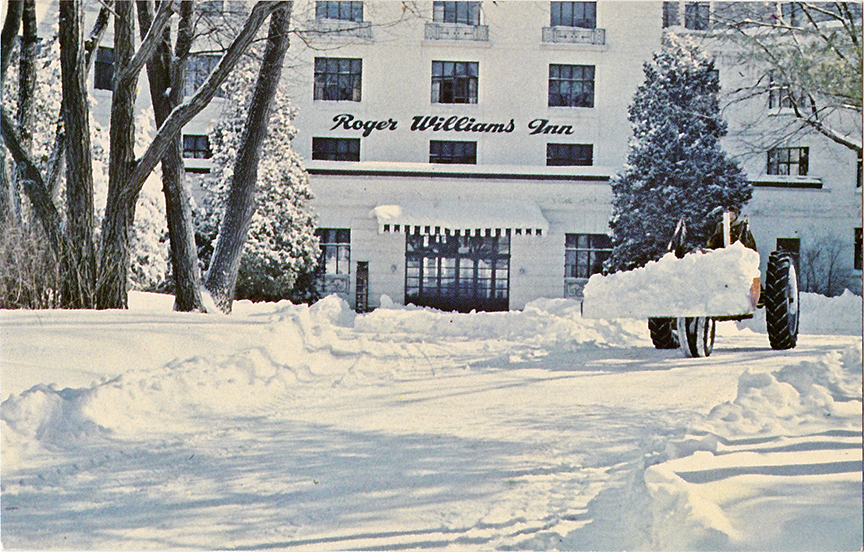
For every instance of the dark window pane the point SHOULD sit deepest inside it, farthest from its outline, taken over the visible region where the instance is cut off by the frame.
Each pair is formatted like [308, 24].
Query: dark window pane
[571, 85]
[336, 149]
[338, 79]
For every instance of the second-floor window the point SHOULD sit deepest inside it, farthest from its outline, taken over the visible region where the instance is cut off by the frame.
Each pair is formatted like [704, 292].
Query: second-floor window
[196, 146]
[558, 155]
[788, 161]
[696, 16]
[346, 11]
[103, 69]
[858, 250]
[454, 82]
[338, 79]
[453, 152]
[198, 68]
[467, 13]
[574, 14]
[571, 85]
[336, 149]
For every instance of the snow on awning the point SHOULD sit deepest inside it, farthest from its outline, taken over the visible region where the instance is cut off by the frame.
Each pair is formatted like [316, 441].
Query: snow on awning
[471, 218]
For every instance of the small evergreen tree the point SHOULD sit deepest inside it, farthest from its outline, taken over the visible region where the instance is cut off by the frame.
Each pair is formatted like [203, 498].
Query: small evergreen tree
[281, 245]
[675, 167]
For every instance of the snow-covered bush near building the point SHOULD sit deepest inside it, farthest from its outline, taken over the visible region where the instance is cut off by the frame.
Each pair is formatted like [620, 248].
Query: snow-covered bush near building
[675, 166]
[281, 245]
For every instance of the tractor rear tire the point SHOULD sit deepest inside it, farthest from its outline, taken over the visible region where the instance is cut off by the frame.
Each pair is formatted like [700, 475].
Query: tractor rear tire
[696, 335]
[664, 332]
[781, 301]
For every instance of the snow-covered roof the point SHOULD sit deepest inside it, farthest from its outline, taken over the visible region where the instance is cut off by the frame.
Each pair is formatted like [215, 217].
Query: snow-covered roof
[468, 217]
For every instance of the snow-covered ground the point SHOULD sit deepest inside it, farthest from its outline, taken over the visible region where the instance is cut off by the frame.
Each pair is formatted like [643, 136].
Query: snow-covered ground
[297, 427]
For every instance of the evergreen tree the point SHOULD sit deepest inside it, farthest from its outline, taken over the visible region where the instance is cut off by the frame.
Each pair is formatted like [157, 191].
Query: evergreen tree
[675, 167]
[281, 245]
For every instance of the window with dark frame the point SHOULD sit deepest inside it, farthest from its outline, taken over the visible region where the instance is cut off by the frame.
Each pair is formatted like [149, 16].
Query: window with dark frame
[779, 94]
[198, 69]
[696, 16]
[574, 14]
[196, 146]
[466, 13]
[458, 272]
[788, 161]
[453, 152]
[454, 82]
[671, 15]
[103, 69]
[559, 155]
[336, 149]
[858, 253]
[338, 79]
[790, 245]
[345, 11]
[571, 85]
[335, 245]
[584, 254]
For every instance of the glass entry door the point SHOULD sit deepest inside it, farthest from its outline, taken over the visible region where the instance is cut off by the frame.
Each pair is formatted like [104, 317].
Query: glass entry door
[460, 273]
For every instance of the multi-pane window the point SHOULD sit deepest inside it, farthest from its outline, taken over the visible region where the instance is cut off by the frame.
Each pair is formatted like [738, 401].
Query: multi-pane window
[452, 152]
[454, 82]
[671, 14]
[196, 146]
[788, 161]
[696, 16]
[338, 79]
[569, 155]
[335, 246]
[467, 13]
[584, 254]
[571, 85]
[790, 245]
[336, 149]
[858, 252]
[574, 14]
[103, 69]
[859, 173]
[198, 68]
[453, 272]
[346, 11]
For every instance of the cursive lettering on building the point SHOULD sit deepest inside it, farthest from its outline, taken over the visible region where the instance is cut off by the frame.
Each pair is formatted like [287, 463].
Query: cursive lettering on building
[458, 124]
[542, 126]
[348, 122]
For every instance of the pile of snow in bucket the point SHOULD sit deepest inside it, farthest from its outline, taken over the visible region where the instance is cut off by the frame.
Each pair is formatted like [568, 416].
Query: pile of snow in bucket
[703, 283]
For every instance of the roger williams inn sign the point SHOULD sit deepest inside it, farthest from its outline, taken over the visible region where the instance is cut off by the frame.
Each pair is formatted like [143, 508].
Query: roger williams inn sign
[453, 123]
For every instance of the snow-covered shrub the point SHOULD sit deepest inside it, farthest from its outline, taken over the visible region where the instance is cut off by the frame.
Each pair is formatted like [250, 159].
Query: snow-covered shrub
[675, 167]
[281, 248]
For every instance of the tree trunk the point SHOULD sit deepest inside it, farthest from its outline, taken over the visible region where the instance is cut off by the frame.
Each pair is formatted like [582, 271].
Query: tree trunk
[166, 75]
[111, 288]
[225, 264]
[126, 175]
[78, 263]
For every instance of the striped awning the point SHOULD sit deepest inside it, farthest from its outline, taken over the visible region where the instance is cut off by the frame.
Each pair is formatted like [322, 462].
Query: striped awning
[460, 217]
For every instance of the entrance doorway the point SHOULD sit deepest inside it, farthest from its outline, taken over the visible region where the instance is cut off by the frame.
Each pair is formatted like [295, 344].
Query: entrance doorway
[458, 273]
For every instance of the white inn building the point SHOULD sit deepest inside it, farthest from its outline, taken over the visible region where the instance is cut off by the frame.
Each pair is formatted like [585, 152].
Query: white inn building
[461, 152]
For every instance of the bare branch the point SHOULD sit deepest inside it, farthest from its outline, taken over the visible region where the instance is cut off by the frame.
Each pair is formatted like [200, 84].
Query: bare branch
[149, 42]
[10, 32]
[34, 185]
[183, 113]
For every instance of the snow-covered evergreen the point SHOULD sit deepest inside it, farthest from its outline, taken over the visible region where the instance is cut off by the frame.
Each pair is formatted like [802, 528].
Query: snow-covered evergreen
[675, 167]
[281, 244]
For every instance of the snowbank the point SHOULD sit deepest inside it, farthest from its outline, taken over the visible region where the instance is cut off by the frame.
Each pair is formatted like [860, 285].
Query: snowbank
[708, 283]
[803, 420]
[820, 315]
